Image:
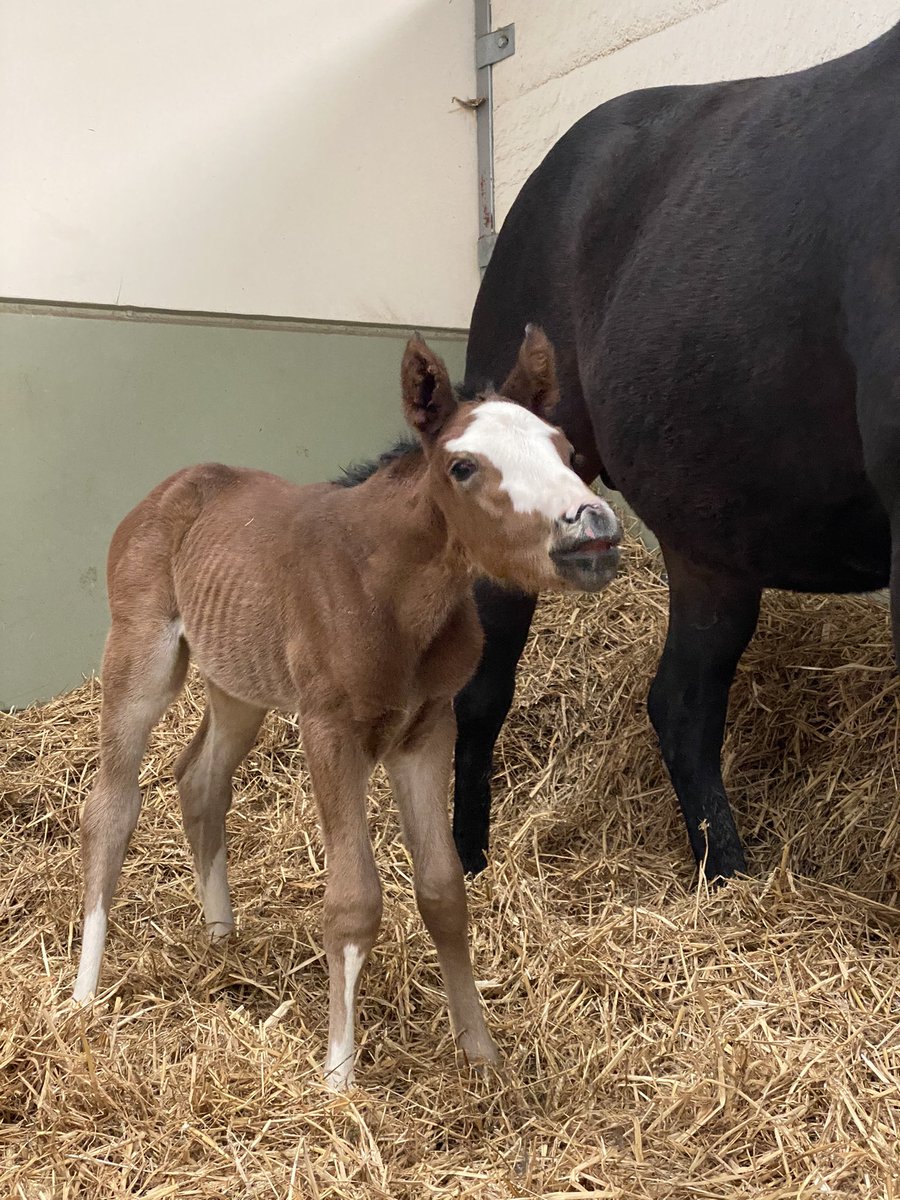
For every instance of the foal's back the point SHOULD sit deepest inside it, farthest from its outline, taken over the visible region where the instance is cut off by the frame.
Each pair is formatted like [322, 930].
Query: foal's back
[212, 555]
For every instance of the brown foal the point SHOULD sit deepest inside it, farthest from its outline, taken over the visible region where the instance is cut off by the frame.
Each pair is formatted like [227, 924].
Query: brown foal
[353, 608]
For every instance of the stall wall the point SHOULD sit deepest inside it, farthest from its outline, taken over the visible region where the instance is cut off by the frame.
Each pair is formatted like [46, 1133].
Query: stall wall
[97, 411]
[284, 157]
[224, 219]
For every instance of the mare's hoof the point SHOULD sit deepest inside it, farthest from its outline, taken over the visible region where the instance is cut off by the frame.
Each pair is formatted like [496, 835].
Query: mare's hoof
[724, 870]
[473, 859]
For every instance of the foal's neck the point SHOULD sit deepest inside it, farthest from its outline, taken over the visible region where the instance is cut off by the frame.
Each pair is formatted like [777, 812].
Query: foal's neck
[415, 563]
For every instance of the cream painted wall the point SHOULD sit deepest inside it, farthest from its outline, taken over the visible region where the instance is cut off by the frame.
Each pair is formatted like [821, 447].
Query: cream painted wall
[285, 157]
[571, 55]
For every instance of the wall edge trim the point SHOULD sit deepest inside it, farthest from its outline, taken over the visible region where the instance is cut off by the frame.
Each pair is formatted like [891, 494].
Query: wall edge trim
[17, 306]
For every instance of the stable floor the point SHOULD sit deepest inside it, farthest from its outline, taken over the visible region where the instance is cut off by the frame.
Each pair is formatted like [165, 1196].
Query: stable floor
[660, 1042]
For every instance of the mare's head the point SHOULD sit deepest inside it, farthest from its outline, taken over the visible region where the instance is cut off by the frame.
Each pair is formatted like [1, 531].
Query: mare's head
[502, 474]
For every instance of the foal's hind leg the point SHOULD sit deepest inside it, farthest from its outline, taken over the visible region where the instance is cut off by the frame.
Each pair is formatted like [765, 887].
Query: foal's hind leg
[711, 620]
[204, 772]
[143, 670]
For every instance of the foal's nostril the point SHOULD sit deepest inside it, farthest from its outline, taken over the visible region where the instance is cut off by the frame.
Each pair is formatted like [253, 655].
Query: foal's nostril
[594, 521]
[571, 518]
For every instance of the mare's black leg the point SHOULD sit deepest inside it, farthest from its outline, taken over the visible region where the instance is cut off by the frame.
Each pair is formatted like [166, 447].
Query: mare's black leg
[875, 317]
[711, 620]
[481, 709]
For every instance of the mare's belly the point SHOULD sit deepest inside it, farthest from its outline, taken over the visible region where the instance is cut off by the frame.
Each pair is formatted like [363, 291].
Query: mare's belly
[746, 460]
[788, 540]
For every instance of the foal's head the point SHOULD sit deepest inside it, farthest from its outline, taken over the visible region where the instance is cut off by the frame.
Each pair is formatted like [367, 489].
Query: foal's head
[501, 474]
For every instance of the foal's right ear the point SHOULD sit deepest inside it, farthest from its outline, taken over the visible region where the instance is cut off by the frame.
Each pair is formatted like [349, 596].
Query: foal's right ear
[428, 397]
[532, 382]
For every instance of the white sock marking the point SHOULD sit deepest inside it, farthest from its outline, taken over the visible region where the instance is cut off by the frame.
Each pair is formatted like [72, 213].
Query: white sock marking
[339, 1064]
[215, 898]
[93, 939]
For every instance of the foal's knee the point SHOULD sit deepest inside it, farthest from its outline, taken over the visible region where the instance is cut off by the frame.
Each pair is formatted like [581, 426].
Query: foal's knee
[191, 751]
[352, 912]
[441, 896]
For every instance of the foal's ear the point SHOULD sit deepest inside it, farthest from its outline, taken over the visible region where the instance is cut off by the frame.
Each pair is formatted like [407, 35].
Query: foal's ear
[532, 381]
[428, 397]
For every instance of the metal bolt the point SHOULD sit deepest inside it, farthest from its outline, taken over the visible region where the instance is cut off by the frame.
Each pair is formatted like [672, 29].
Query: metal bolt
[502, 41]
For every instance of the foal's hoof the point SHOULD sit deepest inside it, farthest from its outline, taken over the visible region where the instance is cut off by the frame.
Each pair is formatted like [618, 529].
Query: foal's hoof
[340, 1079]
[484, 1066]
[218, 931]
[481, 1056]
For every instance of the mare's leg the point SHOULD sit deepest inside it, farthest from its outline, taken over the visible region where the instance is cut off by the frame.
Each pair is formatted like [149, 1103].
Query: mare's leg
[874, 311]
[144, 666]
[340, 772]
[203, 771]
[711, 620]
[481, 709]
[420, 775]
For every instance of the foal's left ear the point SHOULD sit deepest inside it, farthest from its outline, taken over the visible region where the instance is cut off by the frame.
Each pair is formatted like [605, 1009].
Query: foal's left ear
[428, 397]
[532, 381]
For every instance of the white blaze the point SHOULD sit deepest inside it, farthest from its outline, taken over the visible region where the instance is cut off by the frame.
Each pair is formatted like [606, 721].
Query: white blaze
[520, 445]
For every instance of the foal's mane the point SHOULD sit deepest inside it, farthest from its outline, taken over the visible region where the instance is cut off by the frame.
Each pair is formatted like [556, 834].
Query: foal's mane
[405, 448]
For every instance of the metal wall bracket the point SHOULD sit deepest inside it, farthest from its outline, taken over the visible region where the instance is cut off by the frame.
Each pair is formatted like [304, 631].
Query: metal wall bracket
[491, 46]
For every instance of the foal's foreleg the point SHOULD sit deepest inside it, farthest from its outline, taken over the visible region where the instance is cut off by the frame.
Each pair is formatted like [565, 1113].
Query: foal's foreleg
[420, 775]
[204, 772]
[143, 669]
[340, 772]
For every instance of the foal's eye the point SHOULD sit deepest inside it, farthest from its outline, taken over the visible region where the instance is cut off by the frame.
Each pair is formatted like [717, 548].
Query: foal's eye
[462, 469]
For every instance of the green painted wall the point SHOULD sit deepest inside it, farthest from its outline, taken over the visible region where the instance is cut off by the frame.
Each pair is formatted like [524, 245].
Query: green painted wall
[95, 410]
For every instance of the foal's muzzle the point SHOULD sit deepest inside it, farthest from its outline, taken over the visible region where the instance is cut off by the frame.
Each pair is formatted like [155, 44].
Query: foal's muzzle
[585, 547]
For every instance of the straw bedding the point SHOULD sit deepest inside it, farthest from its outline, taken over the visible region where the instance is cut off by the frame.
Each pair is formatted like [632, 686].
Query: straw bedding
[660, 1042]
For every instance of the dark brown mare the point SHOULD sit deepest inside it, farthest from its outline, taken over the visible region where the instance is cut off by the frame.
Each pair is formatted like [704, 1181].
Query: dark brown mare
[352, 607]
[718, 268]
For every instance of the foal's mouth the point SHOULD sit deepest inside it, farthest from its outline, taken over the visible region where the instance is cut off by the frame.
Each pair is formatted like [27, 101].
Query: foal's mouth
[589, 564]
[589, 546]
